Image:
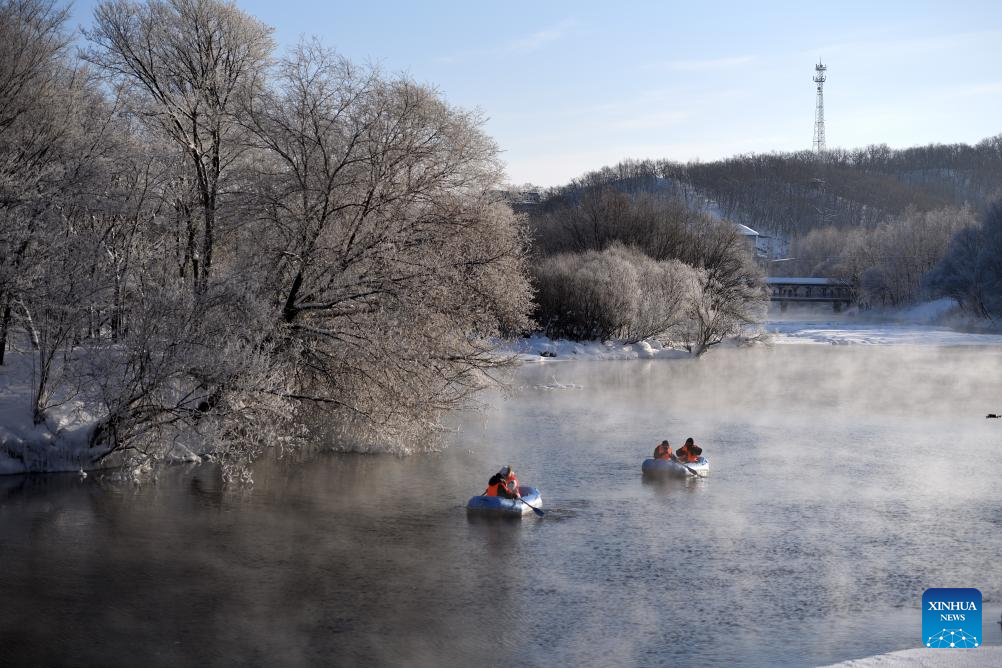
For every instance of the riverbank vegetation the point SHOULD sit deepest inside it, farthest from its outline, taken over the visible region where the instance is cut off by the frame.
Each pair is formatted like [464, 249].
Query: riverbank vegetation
[211, 246]
[887, 263]
[971, 270]
[876, 218]
[610, 265]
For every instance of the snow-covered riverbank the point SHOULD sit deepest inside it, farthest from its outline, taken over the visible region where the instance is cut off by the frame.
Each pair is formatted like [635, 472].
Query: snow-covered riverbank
[540, 348]
[59, 443]
[919, 325]
[841, 332]
[929, 658]
[928, 324]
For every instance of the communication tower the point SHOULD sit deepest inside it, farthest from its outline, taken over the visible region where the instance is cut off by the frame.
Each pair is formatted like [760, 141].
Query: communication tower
[819, 112]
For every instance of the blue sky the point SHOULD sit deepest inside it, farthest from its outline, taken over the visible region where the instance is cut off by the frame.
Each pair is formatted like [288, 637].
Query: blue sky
[571, 86]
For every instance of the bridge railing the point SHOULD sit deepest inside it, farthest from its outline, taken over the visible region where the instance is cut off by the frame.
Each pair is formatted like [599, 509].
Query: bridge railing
[810, 289]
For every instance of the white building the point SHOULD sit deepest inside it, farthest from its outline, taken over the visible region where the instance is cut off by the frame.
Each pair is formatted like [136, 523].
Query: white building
[757, 243]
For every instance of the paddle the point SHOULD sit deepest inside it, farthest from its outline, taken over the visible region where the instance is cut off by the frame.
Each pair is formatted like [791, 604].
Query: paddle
[534, 508]
[682, 464]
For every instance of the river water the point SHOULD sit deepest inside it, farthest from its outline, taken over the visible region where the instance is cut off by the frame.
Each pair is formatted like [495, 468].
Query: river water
[845, 481]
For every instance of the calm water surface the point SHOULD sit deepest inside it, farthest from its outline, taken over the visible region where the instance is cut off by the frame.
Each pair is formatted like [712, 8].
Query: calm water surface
[845, 481]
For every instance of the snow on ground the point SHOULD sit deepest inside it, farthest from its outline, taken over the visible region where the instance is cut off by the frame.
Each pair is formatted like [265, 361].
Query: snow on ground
[917, 325]
[58, 444]
[922, 324]
[845, 333]
[930, 658]
[539, 348]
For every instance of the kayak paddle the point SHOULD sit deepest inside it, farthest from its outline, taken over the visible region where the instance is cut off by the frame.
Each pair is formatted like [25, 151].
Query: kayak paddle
[682, 464]
[534, 508]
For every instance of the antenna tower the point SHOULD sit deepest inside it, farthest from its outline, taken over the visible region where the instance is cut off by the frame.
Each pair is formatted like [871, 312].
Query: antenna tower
[819, 111]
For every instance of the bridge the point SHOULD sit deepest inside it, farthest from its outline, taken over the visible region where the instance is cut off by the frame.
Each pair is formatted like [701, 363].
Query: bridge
[786, 289]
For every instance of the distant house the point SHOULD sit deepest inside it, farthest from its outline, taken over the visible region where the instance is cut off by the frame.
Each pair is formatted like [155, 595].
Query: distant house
[757, 243]
[520, 200]
[749, 234]
[526, 197]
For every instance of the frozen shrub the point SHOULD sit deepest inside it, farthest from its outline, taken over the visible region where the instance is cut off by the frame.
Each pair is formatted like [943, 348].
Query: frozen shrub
[617, 293]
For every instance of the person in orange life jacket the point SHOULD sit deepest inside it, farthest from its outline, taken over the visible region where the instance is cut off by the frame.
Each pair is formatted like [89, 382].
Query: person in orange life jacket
[503, 483]
[689, 452]
[663, 451]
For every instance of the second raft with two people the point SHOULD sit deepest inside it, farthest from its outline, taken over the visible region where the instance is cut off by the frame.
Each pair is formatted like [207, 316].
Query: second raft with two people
[690, 452]
[687, 461]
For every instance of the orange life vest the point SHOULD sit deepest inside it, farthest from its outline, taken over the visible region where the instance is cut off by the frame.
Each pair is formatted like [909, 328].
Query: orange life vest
[511, 484]
[662, 452]
[686, 455]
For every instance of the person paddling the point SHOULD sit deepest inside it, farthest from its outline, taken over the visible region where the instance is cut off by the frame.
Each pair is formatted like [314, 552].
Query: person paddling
[663, 451]
[689, 452]
[503, 483]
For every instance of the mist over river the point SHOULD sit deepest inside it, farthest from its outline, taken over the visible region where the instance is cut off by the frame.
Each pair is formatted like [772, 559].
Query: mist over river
[845, 481]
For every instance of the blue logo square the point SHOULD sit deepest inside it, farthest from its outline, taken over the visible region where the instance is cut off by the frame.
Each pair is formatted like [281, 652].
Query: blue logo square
[951, 618]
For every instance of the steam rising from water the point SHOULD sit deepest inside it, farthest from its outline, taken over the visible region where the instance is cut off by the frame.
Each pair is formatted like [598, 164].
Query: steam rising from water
[845, 481]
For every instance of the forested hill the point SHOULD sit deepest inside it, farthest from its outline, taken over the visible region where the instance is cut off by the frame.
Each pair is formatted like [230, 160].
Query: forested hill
[790, 194]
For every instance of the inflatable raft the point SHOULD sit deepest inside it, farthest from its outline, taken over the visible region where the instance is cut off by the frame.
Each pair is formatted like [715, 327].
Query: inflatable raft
[667, 468]
[499, 505]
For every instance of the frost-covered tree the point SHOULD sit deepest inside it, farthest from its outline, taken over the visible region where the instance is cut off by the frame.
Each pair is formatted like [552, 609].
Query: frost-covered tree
[602, 216]
[208, 251]
[665, 290]
[387, 260]
[54, 136]
[884, 264]
[719, 311]
[727, 295]
[71, 287]
[616, 293]
[187, 63]
[584, 296]
[36, 85]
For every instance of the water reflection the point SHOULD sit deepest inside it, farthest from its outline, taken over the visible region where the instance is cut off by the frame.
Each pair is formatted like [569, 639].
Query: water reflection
[665, 486]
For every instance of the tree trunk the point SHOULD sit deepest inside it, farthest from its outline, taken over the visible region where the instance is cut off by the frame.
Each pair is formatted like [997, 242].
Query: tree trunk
[116, 313]
[289, 311]
[29, 324]
[208, 238]
[4, 327]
